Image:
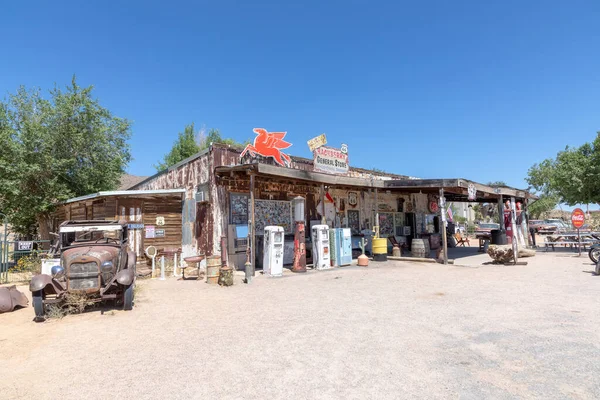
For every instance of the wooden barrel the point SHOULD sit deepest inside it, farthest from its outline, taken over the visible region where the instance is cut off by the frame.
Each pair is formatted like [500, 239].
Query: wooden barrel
[213, 264]
[419, 248]
[379, 249]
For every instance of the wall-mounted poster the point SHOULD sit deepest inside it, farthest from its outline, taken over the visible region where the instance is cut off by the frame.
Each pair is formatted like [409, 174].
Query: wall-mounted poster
[386, 224]
[238, 209]
[354, 221]
[273, 213]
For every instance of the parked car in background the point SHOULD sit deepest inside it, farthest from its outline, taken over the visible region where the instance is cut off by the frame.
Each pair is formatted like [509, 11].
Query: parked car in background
[536, 224]
[95, 262]
[550, 226]
[484, 230]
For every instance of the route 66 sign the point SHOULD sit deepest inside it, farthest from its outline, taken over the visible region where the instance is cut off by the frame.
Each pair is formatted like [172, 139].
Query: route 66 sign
[472, 192]
[160, 221]
[352, 199]
[344, 148]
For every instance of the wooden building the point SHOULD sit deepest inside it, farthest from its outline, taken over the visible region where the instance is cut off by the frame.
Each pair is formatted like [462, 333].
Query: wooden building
[154, 216]
[223, 193]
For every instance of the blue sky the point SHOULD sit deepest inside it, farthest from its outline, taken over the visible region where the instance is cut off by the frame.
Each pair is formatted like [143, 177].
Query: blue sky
[436, 89]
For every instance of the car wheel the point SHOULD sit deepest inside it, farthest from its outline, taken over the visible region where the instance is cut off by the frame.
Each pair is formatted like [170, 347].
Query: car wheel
[597, 268]
[594, 254]
[128, 298]
[38, 306]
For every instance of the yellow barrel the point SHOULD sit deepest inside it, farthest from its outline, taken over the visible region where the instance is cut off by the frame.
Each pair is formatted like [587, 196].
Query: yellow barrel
[213, 264]
[379, 249]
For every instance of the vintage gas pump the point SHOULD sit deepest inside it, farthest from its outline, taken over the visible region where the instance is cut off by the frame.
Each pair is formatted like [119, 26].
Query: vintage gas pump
[320, 244]
[273, 252]
[299, 236]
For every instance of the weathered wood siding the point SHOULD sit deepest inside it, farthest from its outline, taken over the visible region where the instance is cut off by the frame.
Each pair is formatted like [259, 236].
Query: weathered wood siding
[196, 220]
[170, 209]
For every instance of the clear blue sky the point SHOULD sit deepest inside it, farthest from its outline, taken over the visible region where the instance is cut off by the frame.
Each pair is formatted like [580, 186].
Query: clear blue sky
[435, 89]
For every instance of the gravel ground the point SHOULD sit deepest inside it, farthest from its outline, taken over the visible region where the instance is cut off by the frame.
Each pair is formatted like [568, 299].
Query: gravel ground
[392, 330]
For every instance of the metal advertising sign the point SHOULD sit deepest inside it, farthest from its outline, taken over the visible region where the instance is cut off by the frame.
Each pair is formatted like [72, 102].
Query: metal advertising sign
[317, 142]
[269, 144]
[578, 218]
[24, 246]
[330, 160]
[472, 192]
[150, 232]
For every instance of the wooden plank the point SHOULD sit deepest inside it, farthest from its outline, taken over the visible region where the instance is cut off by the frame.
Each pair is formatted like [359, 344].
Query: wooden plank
[318, 177]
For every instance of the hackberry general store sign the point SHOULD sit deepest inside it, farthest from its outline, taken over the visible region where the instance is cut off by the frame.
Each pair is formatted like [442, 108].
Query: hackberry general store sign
[330, 160]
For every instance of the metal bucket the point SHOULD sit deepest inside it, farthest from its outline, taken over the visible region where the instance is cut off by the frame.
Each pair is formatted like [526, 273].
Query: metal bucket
[379, 249]
[213, 264]
[419, 248]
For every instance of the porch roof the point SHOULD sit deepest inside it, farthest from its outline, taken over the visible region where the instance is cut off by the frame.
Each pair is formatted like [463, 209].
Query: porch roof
[125, 193]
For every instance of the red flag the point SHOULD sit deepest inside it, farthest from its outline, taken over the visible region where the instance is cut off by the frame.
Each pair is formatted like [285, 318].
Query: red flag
[328, 196]
[450, 216]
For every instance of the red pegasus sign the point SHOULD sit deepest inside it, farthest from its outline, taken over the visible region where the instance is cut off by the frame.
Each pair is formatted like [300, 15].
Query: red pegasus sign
[269, 144]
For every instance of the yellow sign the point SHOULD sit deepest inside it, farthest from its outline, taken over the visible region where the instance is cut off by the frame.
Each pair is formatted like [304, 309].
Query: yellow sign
[317, 142]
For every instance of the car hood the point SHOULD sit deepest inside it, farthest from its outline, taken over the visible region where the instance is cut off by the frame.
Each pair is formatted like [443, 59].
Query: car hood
[101, 253]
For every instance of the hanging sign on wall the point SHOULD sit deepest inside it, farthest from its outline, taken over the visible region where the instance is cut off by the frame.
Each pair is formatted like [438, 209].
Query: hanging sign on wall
[269, 144]
[330, 160]
[317, 142]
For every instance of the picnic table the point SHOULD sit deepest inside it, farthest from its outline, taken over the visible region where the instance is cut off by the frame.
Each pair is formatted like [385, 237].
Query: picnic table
[572, 239]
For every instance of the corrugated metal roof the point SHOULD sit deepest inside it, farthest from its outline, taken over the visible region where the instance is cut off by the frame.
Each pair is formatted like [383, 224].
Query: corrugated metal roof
[126, 193]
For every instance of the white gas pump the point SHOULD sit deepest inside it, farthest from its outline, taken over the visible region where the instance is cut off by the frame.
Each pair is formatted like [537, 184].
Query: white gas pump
[320, 247]
[273, 252]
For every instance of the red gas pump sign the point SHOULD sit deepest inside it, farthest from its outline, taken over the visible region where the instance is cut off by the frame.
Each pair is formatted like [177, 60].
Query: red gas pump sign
[577, 218]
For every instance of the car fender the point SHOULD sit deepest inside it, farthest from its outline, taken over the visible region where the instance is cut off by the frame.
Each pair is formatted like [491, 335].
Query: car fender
[46, 283]
[10, 298]
[126, 276]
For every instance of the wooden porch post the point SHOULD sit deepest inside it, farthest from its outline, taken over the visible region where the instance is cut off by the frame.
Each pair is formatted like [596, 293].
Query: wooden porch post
[323, 220]
[252, 227]
[444, 236]
[515, 244]
[501, 213]
[376, 224]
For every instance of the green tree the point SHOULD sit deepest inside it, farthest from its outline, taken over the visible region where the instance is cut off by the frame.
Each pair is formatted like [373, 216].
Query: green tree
[572, 177]
[185, 146]
[544, 204]
[55, 148]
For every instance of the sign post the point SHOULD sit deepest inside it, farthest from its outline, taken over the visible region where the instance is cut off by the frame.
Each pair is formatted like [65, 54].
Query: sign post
[578, 219]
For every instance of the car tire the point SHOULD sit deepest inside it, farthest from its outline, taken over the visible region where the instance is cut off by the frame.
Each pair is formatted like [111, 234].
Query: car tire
[38, 306]
[597, 269]
[128, 298]
[594, 254]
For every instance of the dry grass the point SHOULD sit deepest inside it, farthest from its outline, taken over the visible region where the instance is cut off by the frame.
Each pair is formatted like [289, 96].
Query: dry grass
[73, 303]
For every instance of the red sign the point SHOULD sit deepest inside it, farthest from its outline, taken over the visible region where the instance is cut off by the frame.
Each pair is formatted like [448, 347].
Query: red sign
[577, 218]
[269, 144]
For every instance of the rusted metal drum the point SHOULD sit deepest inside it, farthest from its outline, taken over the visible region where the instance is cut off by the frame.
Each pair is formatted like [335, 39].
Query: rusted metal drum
[226, 276]
[379, 249]
[419, 248]
[213, 264]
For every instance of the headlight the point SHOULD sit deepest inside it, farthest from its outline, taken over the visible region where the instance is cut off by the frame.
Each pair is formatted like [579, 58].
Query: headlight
[107, 266]
[57, 271]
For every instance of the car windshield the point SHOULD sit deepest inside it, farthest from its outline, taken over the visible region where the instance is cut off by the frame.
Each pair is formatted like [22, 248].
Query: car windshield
[82, 234]
[489, 226]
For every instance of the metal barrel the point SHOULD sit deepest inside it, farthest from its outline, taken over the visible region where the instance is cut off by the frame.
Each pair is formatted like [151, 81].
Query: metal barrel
[379, 249]
[213, 264]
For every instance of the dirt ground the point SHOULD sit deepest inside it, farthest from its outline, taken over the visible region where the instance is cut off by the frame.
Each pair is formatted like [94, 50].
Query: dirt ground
[392, 330]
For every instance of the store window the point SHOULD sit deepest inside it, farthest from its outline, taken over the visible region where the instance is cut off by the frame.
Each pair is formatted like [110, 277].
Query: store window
[238, 206]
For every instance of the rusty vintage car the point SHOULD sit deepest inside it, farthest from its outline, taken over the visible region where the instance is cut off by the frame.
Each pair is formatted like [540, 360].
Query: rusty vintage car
[95, 261]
